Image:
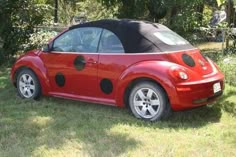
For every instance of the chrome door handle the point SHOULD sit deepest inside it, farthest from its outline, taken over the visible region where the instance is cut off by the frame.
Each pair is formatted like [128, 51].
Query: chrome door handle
[91, 61]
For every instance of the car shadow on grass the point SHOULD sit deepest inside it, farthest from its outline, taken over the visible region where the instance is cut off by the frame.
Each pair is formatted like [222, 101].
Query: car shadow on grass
[200, 117]
[226, 105]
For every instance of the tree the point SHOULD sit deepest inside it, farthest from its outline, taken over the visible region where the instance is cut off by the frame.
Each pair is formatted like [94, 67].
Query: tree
[157, 9]
[18, 18]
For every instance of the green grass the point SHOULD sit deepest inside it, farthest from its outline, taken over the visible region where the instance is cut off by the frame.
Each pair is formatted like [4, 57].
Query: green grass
[58, 127]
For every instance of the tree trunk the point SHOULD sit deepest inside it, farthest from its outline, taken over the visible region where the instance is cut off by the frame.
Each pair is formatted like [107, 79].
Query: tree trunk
[56, 11]
[173, 13]
[199, 10]
[230, 16]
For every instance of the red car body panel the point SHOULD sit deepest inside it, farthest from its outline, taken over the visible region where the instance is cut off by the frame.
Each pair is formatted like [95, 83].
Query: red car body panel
[84, 81]
[122, 69]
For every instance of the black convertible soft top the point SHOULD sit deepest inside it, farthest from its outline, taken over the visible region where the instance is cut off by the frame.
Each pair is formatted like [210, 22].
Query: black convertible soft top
[136, 36]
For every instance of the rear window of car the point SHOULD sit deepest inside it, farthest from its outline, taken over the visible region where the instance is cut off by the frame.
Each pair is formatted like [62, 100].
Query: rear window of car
[170, 38]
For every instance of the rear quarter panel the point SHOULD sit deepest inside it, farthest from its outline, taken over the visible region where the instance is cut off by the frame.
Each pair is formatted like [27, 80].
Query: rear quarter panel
[122, 69]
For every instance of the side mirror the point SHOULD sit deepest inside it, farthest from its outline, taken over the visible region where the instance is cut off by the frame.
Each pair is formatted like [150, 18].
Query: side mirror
[46, 48]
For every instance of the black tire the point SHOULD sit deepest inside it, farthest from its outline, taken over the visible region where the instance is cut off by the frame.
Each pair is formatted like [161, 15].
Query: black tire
[25, 86]
[157, 102]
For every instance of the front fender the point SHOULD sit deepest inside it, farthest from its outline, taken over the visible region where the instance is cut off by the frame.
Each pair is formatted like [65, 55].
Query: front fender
[155, 70]
[34, 63]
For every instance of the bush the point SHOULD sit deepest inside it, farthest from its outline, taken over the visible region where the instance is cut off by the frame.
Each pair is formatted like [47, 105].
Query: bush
[38, 39]
[227, 64]
[19, 19]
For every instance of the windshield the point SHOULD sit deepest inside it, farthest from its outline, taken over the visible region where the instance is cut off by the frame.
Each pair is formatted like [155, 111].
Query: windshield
[170, 38]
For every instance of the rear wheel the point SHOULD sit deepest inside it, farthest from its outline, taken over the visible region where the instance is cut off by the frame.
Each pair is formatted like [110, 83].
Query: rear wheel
[28, 85]
[148, 101]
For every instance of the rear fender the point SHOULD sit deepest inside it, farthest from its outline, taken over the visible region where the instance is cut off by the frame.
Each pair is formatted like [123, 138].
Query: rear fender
[154, 70]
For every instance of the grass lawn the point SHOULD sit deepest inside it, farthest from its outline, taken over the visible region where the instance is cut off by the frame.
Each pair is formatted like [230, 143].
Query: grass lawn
[58, 127]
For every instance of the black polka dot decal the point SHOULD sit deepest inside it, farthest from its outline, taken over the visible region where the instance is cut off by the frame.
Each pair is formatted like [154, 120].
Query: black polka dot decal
[60, 79]
[79, 63]
[188, 60]
[106, 86]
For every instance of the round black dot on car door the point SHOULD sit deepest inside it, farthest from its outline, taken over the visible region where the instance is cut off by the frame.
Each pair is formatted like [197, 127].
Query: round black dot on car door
[60, 79]
[188, 60]
[106, 86]
[79, 63]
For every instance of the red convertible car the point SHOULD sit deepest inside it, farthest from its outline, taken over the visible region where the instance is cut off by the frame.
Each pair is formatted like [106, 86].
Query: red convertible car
[138, 64]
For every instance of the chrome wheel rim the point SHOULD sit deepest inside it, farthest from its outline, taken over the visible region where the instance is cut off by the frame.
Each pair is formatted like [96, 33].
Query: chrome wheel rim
[26, 85]
[146, 103]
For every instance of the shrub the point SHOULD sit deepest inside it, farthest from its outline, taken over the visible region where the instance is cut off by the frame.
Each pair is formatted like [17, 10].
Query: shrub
[227, 64]
[38, 39]
[20, 17]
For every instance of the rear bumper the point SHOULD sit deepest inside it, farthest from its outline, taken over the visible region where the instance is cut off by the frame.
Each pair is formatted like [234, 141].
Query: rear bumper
[198, 93]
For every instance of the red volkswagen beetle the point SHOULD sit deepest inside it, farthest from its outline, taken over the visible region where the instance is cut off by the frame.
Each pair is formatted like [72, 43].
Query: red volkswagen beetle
[139, 64]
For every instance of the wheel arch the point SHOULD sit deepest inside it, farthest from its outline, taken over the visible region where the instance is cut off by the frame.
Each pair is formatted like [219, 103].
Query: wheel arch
[37, 67]
[153, 71]
[16, 73]
[136, 81]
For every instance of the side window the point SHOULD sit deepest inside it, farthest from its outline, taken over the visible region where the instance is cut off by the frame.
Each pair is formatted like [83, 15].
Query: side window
[78, 40]
[64, 42]
[110, 43]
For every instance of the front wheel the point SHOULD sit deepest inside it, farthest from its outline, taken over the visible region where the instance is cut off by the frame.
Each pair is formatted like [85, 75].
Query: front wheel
[148, 101]
[28, 85]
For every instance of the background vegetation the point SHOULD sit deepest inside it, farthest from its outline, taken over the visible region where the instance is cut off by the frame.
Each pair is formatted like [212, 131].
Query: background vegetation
[19, 18]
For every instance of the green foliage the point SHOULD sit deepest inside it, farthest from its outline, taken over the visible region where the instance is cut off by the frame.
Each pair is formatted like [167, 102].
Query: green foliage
[227, 64]
[220, 2]
[157, 9]
[180, 15]
[185, 22]
[38, 39]
[65, 12]
[20, 17]
[185, 16]
[93, 10]
[207, 15]
[153, 10]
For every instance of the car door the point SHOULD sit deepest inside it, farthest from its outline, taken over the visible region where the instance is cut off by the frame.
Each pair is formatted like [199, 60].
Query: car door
[111, 64]
[72, 62]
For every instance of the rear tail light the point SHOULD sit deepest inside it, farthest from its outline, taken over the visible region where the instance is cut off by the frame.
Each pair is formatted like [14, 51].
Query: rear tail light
[183, 75]
[179, 73]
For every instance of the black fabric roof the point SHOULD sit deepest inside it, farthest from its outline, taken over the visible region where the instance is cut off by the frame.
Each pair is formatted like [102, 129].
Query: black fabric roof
[136, 36]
